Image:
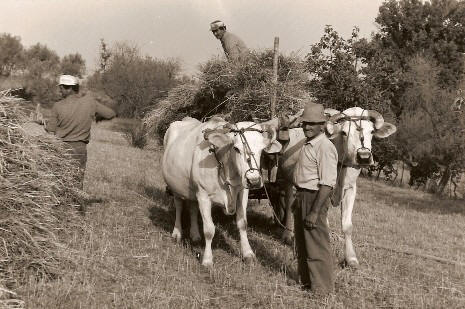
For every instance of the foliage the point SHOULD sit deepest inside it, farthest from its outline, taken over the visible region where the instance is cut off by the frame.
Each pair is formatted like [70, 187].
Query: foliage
[433, 29]
[237, 91]
[135, 134]
[36, 68]
[42, 69]
[135, 82]
[340, 79]
[104, 56]
[428, 126]
[11, 56]
[385, 154]
[73, 64]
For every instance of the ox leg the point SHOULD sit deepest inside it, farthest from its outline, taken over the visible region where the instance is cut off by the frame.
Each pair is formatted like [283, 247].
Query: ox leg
[346, 221]
[241, 221]
[177, 224]
[208, 229]
[288, 234]
[194, 229]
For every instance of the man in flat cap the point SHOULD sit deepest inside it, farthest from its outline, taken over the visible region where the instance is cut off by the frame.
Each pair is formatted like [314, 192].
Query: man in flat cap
[234, 48]
[314, 177]
[71, 119]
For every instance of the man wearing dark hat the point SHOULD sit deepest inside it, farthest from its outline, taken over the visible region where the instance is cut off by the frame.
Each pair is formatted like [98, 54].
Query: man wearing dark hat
[314, 177]
[71, 119]
[234, 48]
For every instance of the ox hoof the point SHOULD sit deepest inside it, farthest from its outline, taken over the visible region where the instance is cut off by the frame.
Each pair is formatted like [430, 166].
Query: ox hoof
[207, 263]
[353, 263]
[288, 238]
[196, 241]
[250, 259]
[176, 235]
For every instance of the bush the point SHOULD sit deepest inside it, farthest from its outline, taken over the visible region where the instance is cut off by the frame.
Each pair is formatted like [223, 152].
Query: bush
[41, 74]
[135, 82]
[135, 134]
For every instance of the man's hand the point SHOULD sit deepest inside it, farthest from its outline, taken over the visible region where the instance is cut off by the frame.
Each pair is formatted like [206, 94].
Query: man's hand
[310, 220]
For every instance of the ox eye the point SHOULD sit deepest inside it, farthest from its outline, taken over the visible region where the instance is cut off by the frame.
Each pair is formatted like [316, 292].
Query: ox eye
[237, 149]
[344, 133]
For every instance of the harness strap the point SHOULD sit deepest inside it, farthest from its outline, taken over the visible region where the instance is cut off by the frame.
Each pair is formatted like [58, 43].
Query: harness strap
[220, 166]
[229, 128]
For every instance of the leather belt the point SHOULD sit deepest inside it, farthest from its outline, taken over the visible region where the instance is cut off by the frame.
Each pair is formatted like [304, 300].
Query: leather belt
[304, 189]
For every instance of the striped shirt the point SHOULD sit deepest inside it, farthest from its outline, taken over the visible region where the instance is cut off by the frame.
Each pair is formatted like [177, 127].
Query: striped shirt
[317, 164]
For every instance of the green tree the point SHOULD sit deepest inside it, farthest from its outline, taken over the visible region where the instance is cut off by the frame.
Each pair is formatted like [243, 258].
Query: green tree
[41, 71]
[433, 29]
[10, 53]
[73, 64]
[135, 82]
[341, 78]
[339, 74]
[104, 56]
[428, 127]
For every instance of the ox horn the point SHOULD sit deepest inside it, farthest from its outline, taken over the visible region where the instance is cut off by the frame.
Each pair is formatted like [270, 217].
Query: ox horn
[377, 118]
[336, 117]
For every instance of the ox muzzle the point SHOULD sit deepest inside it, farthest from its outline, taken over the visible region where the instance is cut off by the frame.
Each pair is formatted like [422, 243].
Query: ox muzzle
[364, 156]
[254, 178]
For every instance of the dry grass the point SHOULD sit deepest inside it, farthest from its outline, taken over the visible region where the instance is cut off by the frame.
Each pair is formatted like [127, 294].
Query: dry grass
[237, 91]
[126, 258]
[36, 199]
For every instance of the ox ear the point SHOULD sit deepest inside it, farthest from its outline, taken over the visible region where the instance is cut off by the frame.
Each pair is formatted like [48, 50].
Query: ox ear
[274, 147]
[270, 134]
[222, 142]
[332, 129]
[386, 130]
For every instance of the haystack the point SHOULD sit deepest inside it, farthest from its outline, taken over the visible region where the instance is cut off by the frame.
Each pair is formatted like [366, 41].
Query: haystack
[36, 200]
[236, 91]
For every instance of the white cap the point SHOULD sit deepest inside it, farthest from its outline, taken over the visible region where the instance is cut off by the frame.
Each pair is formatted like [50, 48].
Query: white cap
[216, 25]
[68, 80]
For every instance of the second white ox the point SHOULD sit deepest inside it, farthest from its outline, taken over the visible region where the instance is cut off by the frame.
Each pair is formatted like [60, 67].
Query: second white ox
[351, 132]
[214, 163]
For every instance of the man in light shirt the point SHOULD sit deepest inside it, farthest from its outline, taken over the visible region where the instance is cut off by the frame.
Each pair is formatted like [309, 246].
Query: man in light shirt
[315, 176]
[234, 48]
[71, 119]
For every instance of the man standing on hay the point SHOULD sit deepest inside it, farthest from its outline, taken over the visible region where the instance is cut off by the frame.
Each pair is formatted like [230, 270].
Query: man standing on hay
[234, 48]
[71, 119]
[314, 177]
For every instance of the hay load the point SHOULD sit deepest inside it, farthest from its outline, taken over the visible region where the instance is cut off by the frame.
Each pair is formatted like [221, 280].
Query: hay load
[37, 195]
[236, 91]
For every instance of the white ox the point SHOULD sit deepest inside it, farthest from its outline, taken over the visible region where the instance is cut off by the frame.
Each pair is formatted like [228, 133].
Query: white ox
[215, 163]
[351, 132]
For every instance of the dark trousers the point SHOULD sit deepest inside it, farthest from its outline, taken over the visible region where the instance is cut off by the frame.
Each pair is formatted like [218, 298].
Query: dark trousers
[315, 262]
[78, 151]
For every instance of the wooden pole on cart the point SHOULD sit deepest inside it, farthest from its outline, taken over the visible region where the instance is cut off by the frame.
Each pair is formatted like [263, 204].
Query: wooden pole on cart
[272, 172]
[275, 76]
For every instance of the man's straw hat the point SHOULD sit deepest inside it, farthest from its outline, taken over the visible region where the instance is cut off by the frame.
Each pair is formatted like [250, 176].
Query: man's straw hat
[313, 112]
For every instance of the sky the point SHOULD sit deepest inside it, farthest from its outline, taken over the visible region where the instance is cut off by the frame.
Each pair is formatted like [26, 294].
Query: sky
[180, 29]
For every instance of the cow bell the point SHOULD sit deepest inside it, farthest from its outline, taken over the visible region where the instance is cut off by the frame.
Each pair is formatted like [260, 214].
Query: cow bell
[254, 179]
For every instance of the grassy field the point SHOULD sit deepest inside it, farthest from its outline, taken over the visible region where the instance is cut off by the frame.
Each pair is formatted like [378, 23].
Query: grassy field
[126, 258]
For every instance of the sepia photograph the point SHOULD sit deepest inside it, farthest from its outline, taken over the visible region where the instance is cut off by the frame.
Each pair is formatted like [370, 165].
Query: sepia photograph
[232, 154]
